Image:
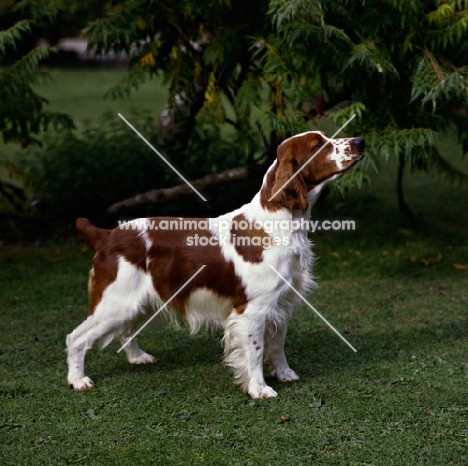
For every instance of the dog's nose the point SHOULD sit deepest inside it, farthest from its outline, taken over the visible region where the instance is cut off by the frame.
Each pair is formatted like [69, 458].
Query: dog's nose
[360, 143]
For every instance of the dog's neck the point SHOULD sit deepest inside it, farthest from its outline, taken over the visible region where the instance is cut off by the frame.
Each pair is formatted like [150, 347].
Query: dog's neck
[312, 197]
[258, 210]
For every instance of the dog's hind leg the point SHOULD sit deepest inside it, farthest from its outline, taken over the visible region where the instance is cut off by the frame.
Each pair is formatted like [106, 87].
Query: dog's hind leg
[102, 326]
[78, 343]
[116, 314]
[135, 355]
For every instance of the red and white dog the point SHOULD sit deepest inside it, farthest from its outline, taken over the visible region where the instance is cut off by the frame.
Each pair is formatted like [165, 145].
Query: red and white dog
[138, 268]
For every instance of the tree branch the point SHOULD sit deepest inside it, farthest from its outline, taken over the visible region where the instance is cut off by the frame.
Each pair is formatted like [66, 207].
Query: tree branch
[166, 194]
[12, 192]
[434, 64]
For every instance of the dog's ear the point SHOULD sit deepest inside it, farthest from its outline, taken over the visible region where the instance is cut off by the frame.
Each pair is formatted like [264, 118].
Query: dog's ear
[293, 195]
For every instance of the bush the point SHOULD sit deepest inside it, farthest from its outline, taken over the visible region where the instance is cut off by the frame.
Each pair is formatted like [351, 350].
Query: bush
[82, 173]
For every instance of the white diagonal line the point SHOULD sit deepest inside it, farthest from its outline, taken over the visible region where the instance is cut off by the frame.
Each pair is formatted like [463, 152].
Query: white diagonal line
[158, 153]
[317, 153]
[161, 308]
[315, 310]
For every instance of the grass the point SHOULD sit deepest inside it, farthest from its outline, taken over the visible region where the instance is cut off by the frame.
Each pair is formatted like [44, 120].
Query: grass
[399, 295]
[80, 92]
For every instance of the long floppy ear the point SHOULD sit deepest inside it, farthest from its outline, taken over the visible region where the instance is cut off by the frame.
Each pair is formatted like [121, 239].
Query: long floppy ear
[294, 194]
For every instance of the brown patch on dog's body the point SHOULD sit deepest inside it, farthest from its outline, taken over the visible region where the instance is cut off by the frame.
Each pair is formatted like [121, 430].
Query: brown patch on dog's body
[182, 261]
[119, 243]
[244, 240]
[170, 261]
[102, 274]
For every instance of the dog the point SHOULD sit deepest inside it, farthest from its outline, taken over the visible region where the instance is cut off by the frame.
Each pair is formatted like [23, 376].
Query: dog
[230, 271]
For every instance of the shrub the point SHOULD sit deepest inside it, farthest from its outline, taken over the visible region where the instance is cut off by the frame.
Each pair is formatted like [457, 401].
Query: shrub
[82, 173]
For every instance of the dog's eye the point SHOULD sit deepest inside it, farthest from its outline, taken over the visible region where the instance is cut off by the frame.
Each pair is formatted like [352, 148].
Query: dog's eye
[319, 143]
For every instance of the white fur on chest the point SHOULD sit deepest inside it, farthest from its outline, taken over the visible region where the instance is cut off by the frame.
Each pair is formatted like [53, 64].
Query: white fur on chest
[292, 258]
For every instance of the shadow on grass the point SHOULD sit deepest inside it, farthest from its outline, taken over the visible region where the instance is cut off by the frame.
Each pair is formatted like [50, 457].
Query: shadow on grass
[323, 354]
[312, 354]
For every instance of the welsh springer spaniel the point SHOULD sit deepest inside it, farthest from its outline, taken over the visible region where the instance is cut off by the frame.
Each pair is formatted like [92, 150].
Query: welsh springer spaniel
[141, 265]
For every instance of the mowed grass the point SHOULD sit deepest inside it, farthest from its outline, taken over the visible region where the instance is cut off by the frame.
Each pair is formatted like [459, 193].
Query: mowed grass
[398, 294]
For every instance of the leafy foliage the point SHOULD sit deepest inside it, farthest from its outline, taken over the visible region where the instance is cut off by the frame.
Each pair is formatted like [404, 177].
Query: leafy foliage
[401, 66]
[82, 173]
[269, 69]
[22, 113]
[204, 51]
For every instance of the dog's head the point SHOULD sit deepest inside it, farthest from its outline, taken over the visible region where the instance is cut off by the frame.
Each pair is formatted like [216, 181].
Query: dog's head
[307, 162]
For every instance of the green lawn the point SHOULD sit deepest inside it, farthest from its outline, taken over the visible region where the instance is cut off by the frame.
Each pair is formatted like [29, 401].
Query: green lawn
[398, 294]
[80, 92]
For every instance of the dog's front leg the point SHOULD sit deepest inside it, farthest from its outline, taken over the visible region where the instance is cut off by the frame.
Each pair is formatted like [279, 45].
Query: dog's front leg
[244, 349]
[275, 336]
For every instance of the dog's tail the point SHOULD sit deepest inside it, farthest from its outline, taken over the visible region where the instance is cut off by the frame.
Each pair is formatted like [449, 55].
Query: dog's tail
[91, 234]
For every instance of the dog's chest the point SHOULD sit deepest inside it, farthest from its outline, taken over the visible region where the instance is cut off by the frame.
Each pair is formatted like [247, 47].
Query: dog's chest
[299, 263]
[301, 251]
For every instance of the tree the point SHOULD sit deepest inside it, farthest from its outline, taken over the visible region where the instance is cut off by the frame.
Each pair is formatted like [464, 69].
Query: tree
[268, 70]
[400, 65]
[23, 113]
[204, 51]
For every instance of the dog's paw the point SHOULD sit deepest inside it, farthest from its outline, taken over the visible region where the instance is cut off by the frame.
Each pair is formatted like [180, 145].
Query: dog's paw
[84, 383]
[284, 374]
[144, 358]
[262, 392]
